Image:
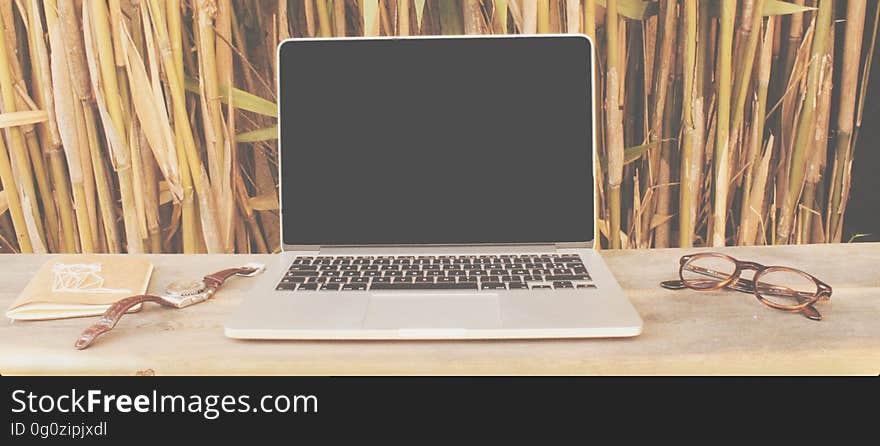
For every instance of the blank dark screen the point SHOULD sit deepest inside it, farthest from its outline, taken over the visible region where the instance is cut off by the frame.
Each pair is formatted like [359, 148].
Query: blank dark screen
[436, 141]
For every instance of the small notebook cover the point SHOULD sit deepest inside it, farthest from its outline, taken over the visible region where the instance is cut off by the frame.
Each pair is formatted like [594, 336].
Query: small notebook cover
[81, 285]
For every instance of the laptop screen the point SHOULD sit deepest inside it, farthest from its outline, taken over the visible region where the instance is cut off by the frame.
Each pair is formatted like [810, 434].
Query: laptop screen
[436, 141]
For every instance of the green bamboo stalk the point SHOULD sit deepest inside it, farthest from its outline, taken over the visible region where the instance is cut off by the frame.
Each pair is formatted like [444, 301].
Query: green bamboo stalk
[722, 129]
[614, 123]
[806, 123]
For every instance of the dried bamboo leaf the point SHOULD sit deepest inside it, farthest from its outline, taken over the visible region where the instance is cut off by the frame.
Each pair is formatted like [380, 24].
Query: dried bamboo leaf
[659, 220]
[771, 8]
[267, 202]
[420, 11]
[777, 7]
[153, 123]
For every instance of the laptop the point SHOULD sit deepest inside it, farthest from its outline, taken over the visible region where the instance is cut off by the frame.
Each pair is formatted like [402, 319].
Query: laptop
[436, 188]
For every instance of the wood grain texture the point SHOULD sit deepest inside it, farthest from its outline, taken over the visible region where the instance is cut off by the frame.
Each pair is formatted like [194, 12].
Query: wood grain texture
[685, 332]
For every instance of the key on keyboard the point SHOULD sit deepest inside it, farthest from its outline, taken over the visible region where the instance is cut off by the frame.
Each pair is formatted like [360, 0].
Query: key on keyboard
[466, 272]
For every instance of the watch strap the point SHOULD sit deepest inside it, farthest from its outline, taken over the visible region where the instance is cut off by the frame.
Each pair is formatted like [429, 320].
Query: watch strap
[217, 279]
[112, 315]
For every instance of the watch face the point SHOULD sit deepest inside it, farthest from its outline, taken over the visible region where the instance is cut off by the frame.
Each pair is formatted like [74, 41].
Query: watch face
[185, 287]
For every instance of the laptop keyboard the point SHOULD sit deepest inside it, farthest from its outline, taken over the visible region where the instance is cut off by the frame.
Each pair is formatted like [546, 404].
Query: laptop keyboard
[484, 272]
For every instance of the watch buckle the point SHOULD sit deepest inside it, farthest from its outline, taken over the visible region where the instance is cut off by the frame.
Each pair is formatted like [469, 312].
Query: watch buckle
[257, 269]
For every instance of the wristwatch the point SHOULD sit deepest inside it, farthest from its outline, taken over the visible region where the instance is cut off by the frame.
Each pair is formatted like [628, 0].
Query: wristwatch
[178, 294]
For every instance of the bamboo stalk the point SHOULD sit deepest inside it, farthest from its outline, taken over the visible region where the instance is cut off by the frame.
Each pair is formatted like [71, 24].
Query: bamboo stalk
[41, 77]
[212, 115]
[23, 101]
[852, 50]
[472, 17]
[793, 41]
[614, 123]
[572, 16]
[817, 154]
[691, 148]
[19, 158]
[664, 61]
[590, 18]
[753, 185]
[106, 87]
[69, 131]
[722, 130]
[14, 201]
[77, 61]
[530, 16]
[324, 28]
[339, 18]
[188, 212]
[543, 17]
[806, 123]
[451, 21]
[403, 25]
[182, 125]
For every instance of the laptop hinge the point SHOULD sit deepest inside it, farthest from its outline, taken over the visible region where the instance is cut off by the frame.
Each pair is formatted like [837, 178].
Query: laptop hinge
[301, 248]
[573, 245]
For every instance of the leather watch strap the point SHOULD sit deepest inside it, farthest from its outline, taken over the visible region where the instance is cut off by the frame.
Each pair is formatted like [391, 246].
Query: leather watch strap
[217, 279]
[114, 313]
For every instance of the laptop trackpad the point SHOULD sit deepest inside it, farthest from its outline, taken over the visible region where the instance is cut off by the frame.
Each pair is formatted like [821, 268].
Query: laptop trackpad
[415, 311]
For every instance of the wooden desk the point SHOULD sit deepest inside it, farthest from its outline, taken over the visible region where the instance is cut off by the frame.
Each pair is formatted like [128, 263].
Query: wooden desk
[685, 332]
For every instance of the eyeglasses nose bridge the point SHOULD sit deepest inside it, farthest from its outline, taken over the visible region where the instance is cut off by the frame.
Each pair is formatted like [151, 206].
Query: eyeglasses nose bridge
[746, 265]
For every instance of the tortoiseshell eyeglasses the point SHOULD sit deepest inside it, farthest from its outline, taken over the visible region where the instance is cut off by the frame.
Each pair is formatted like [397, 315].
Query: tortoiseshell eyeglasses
[778, 287]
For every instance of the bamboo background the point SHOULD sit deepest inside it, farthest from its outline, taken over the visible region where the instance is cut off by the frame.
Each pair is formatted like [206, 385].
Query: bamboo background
[149, 125]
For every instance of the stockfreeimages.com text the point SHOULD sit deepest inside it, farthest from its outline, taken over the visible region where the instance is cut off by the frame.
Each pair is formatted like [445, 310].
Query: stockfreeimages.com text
[209, 406]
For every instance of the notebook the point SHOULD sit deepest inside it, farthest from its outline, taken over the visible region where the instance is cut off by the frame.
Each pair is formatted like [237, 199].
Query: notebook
[81, 285]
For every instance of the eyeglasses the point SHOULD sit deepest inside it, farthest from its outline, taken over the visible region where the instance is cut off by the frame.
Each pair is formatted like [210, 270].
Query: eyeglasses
[778, 287]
